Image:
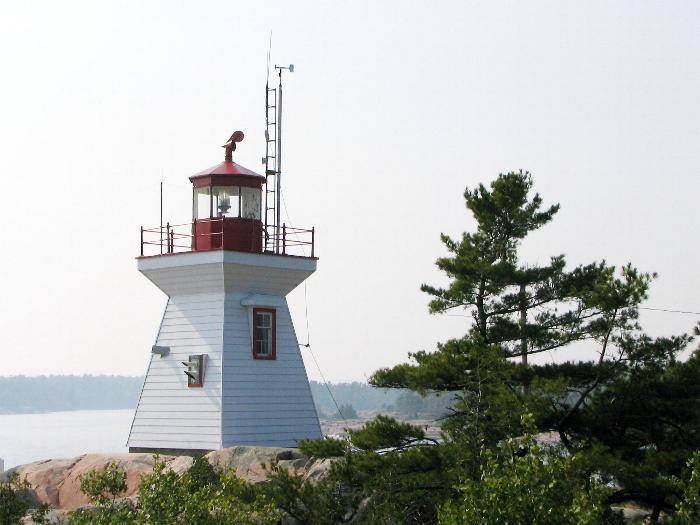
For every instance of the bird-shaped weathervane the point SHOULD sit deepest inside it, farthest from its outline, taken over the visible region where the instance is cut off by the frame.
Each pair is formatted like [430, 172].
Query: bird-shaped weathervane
[231, 144]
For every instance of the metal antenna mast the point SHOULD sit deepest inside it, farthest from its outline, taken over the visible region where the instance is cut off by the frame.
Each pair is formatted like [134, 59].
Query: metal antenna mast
[270, 160]
[273, 161]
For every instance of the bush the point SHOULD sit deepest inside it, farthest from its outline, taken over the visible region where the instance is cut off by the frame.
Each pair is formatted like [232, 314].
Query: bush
[104, 486]
[201, 496]
[323, 448]
[15, 500]
[689, 512]
[528, 484]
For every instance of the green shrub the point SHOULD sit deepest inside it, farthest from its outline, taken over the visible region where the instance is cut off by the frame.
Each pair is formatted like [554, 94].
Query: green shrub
[323, 448]
[201, 496]
[15, 500]
[105, 485]
[527, 484]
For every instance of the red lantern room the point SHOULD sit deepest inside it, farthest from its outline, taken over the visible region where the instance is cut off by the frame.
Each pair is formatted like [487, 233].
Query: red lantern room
[227, 206]
[228, 213]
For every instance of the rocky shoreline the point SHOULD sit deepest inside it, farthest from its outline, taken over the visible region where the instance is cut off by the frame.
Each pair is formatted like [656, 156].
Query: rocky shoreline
[56, 482]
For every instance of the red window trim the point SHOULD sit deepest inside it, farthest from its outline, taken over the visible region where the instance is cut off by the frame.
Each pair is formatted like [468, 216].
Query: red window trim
[273, 355]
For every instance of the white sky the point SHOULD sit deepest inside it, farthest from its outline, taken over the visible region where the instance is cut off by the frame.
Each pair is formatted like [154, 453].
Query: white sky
[394, 108]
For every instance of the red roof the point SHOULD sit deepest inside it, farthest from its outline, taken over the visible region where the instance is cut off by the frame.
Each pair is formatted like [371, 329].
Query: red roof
[228, 168]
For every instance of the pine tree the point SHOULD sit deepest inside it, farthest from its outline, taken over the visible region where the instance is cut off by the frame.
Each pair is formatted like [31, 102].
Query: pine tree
[519, 310]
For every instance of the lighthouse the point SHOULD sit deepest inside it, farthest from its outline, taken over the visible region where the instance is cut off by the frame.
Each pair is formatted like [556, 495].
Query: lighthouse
[226, 367]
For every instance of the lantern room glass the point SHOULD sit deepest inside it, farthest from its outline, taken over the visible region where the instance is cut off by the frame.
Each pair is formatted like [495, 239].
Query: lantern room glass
[251, 203]
[201, 203]
[226, 201]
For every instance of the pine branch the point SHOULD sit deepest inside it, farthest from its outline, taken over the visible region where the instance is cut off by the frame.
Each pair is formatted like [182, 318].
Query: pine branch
[582, 398]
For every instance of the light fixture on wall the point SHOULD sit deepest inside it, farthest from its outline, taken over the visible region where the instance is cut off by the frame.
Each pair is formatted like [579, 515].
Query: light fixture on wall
[160, 350]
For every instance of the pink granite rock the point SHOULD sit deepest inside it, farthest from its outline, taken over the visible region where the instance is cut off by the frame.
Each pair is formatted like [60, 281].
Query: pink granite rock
[57, 481]
[250, 463]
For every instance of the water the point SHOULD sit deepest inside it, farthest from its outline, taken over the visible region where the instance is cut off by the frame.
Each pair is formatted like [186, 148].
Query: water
[32, 437]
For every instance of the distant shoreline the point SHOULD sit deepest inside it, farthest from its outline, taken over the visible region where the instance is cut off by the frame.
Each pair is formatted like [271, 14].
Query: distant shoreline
[57, 393]
[70, 393]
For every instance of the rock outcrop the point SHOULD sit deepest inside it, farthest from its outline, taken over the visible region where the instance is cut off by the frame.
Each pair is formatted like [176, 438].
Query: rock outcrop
[57, 481]
[250, 463]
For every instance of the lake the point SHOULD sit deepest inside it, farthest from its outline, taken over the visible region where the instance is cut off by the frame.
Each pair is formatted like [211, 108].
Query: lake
[32, 437]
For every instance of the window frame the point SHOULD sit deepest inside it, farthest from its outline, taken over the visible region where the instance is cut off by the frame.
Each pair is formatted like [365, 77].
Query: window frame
[200, 357]
[258, 195]
[273, 315]
[212, 202]
[195, 202]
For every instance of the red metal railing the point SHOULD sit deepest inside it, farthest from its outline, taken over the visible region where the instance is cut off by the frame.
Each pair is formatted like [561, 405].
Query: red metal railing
[188, 237]
[293, 240]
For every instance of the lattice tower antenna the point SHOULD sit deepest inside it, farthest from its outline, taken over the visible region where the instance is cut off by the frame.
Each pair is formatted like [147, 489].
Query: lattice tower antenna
[273, 159]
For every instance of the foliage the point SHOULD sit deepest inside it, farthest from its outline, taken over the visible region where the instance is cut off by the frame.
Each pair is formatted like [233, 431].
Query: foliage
[105, 485]
[478, 376]
[643, 426]
[202, 473]
[40, 515]
[117, 513]
[633, 413]
[689, 511]
[384, 432]
[486, 276]
[231, 500]
[326, 502]
[524, 483]
[15, 499]
[161, 496]
[392, 475]
[323, 448]
[201, 495]
[628, 422]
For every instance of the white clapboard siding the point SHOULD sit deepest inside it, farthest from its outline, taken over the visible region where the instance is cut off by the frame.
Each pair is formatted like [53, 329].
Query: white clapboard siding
[194, 418]
[264, 401]
[173, 441]
[243, 400]
[167, 407]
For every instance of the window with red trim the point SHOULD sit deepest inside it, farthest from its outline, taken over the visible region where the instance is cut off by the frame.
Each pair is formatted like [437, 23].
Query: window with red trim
[264, 333]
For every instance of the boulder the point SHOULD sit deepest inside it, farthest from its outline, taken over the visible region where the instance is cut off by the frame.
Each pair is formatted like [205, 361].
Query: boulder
[251, 463]
[57, 481]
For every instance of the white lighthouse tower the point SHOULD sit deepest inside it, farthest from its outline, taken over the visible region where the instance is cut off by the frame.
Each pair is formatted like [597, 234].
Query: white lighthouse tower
[226, 367]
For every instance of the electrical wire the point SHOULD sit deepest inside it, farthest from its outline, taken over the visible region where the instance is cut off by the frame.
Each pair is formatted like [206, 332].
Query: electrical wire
[340, 413]
[318, 367]
[308, 336]
[668, 311]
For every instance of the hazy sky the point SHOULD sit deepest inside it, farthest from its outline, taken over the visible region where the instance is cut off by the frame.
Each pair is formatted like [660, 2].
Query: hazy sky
[395, 107]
